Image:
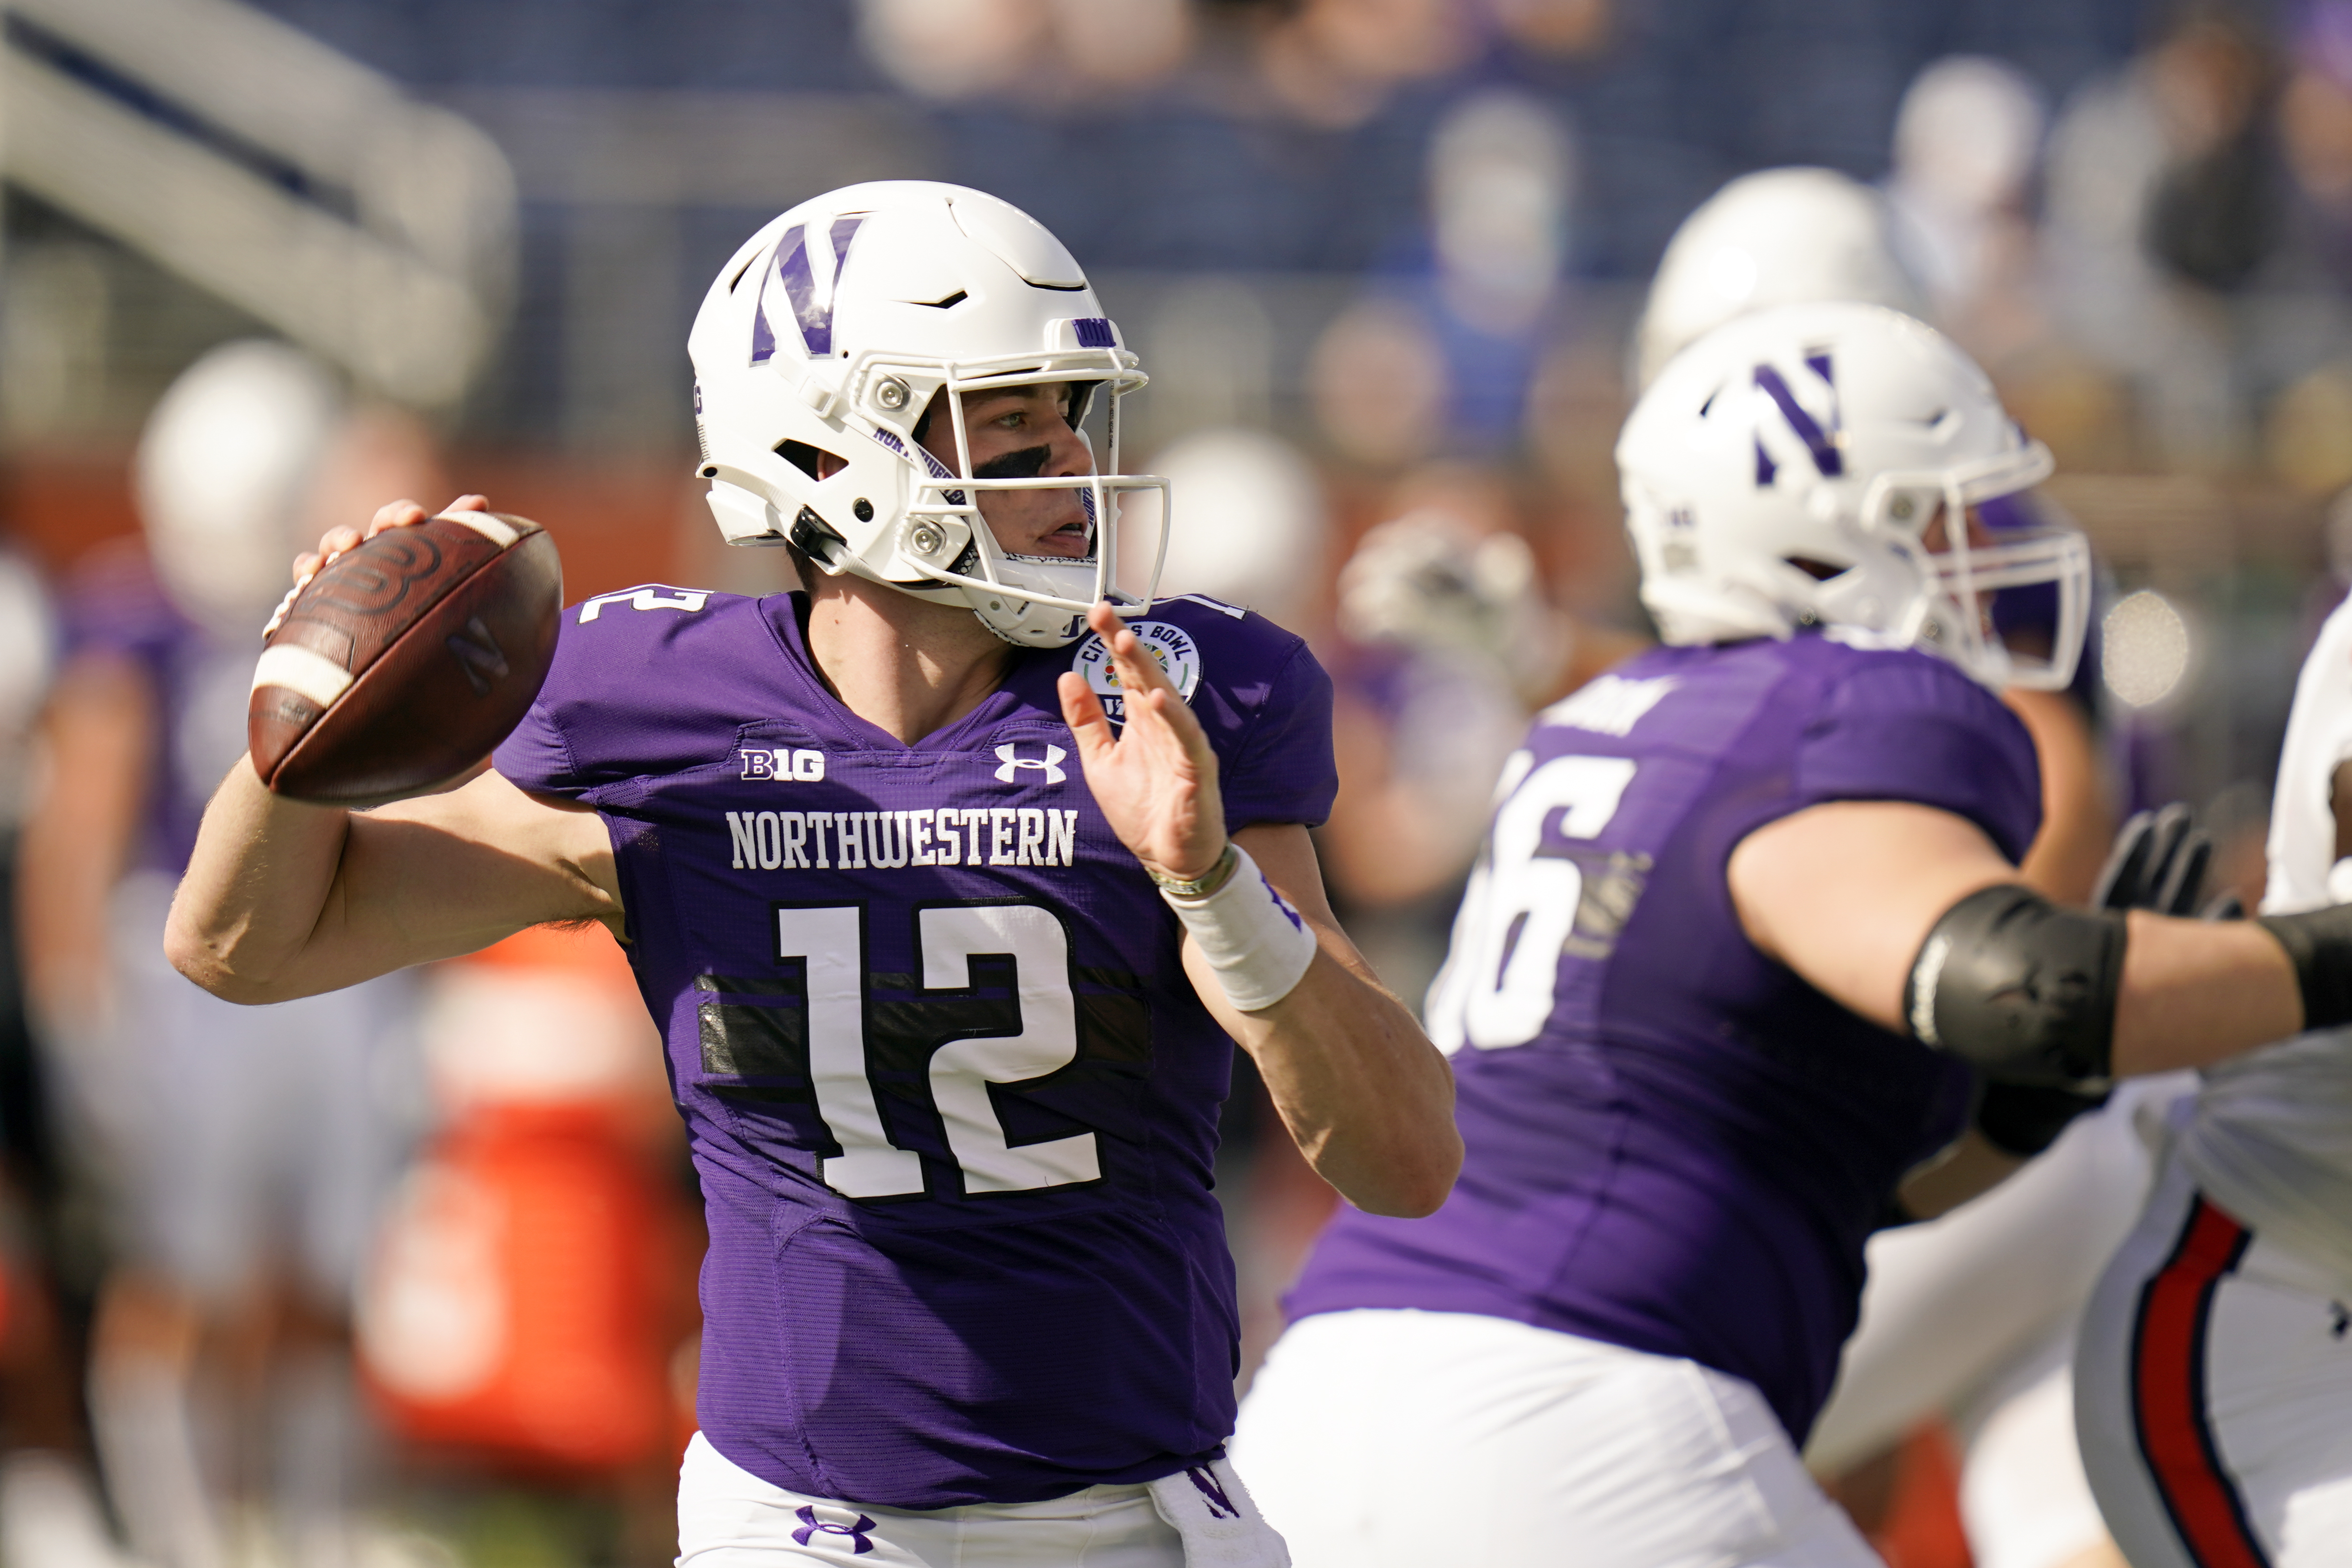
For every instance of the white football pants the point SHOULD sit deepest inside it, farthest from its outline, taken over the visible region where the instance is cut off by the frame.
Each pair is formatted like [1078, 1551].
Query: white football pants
[1384, 1438]
[729, 1517]
[1974, 1316]
[2213, 1395]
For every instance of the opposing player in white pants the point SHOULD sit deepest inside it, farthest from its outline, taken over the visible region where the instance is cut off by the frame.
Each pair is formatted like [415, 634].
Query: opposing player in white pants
[1973, 1317]
[2213, 1379]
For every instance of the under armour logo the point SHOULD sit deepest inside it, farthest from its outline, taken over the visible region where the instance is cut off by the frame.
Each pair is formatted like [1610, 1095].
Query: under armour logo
[812, 1527]
[1013, 762]
[1205, 1481]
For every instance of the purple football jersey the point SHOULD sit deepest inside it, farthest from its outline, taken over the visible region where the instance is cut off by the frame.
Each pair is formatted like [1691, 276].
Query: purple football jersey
[951, 1097]
[1674, 1142]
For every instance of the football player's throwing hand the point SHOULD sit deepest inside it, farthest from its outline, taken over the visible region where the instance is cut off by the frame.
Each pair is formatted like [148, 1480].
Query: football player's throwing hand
[335, 541]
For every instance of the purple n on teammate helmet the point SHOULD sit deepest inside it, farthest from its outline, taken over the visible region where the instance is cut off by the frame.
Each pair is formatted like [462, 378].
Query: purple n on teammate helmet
[1787, 469]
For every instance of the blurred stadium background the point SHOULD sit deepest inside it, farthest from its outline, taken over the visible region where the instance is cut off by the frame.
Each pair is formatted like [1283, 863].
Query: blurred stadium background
[1408, 239]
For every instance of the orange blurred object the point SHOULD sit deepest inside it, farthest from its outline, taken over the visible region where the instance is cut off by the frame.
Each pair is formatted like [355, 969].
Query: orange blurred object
[1921, 1527]
[512, 1310]
[531, 1286]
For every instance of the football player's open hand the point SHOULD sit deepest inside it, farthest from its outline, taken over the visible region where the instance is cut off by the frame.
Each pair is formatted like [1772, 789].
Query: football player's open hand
[335, 541]
[1155, 776]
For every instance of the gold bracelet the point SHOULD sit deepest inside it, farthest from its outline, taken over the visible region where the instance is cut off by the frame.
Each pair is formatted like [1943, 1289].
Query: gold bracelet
[1219, 873]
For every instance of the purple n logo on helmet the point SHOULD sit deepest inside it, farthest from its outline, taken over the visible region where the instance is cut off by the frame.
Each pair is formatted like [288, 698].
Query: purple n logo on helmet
[812, 315]
[1820, 440]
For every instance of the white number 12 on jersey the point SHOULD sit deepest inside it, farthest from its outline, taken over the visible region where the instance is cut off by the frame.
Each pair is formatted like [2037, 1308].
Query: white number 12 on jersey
[1498, 985]
[869, 1166]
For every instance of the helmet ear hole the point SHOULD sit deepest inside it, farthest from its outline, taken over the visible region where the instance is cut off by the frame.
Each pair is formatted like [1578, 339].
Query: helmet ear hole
[1818, 570]
[813, 461]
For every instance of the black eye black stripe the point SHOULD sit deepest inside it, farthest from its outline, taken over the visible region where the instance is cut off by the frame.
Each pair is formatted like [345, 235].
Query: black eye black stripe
[1025, 464]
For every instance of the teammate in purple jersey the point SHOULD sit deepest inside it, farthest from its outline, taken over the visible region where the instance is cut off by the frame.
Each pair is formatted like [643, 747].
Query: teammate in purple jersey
[1745, 971]
[884, 866]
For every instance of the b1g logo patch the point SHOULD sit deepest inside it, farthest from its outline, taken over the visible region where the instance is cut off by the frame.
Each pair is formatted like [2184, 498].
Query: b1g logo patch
[1169, 642]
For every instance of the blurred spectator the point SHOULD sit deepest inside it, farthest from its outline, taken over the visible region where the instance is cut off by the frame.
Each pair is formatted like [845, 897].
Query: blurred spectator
[1502, 176]
[2155, 196]
[1123, 43]
[1967, 140]
[953, 49]
[1442, 359]
[2315, 126]
[2304, 331]
[1502, 183]
[1333, 63]
[1566, 28]
[2214, 213]
[248, 1148]
[50, 1516]
[1378, 384]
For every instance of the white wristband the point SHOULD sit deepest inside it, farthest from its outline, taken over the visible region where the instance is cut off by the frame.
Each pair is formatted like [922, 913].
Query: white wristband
[1256, 943]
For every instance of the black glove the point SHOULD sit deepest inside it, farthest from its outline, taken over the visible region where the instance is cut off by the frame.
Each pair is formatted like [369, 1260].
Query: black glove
[2158, 864]
[2023, 1119]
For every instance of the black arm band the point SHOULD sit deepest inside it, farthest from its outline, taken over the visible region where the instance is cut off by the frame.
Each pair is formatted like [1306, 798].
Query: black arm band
[2022, 988]
[2319, 943]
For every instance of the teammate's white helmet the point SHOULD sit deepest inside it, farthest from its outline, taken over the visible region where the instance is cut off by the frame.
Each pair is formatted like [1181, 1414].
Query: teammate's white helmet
[1781, 236]
[225, 472]
[1782, 471]
[830, 332]
[1255, 524]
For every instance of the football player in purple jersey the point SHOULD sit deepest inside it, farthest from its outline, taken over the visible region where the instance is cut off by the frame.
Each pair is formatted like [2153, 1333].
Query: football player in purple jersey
[1745, 971]
[884, 855]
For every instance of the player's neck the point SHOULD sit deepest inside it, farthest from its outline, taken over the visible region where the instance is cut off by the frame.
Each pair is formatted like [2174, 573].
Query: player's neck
[905, 667]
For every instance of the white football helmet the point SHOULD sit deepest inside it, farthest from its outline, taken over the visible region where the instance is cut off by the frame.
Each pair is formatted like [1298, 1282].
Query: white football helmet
[226, 472]
[830, 332]
[1257, 521]
[1790, 469]
[1780, 237]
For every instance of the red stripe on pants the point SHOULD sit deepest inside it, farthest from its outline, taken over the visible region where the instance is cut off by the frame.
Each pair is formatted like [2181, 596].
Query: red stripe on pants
[2169, 1393]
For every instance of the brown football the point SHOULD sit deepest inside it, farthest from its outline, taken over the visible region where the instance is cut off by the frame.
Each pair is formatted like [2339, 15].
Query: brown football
[406, 660]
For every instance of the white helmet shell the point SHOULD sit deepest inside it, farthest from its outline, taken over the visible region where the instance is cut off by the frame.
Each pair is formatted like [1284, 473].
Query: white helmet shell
[1780, 237]
[831, 331]
[1789, 468]
[1256, 525]
[225, 471]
